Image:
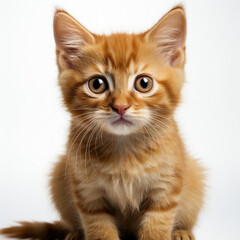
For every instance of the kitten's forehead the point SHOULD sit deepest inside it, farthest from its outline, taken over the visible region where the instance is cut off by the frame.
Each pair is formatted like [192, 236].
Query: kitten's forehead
[120, 50]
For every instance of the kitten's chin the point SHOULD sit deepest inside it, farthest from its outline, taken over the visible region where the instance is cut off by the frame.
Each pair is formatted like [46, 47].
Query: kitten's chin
[121, 127]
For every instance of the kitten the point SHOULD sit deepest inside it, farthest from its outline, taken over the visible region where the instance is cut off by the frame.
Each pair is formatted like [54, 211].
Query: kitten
[126, 173]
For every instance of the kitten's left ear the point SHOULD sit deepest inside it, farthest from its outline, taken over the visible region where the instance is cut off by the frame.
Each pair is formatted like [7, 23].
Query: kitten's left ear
[70, 37]
[169, 35]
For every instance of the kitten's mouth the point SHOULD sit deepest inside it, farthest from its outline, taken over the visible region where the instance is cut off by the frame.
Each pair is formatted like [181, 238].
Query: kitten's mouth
[122, 121]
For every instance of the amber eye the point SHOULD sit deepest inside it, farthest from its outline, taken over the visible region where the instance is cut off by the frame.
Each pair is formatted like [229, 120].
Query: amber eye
[143, 84]
[98, 84]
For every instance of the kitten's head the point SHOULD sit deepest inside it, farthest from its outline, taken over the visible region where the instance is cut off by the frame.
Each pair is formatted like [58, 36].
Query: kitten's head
[121, 83]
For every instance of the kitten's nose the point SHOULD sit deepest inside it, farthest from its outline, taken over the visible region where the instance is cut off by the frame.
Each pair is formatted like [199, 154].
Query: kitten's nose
[120, 109]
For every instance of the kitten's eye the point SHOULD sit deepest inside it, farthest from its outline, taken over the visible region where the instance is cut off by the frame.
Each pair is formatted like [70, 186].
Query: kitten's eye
[98, 84]
[143, 84]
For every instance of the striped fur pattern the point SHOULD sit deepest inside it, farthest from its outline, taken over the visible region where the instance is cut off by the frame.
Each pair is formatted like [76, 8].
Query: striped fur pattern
[132, 179]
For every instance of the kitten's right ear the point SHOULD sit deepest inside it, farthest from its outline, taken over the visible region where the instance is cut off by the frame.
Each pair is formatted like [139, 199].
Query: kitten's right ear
[70, 37]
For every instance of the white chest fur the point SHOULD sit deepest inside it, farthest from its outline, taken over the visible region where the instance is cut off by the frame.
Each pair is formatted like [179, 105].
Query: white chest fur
[124, 190]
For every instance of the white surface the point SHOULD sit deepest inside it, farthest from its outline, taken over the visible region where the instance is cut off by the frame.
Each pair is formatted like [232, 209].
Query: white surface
[33, 123]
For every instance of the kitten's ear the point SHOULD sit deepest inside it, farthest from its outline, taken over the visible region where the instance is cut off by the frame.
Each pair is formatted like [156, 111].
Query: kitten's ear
[70, 36]
[169, 34]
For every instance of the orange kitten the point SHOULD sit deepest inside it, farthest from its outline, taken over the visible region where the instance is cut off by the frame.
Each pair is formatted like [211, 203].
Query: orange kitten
[126, 173]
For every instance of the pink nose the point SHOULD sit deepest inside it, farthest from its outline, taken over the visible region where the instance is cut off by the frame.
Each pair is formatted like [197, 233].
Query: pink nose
[120, 109]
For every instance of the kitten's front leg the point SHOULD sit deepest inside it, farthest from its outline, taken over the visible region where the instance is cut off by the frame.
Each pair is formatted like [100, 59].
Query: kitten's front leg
[97, 217]
[99, 226]
[158, 216]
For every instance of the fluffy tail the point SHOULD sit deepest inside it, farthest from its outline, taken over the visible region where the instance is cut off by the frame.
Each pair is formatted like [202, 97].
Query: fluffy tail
[37, 230]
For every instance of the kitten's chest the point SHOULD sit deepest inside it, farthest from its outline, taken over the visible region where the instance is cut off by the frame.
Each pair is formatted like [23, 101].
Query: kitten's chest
[123, 187]
[126, 190]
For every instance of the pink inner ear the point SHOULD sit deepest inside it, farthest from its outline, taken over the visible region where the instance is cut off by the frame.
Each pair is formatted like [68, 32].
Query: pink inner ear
[65, 60]
[69, 63]
[174, 59]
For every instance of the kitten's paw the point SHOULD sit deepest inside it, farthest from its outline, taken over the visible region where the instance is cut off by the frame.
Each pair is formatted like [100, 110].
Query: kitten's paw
[182, 235]
[74, 236]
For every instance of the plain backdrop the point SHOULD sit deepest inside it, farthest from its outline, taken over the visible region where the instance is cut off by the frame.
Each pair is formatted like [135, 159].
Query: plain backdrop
[34, 124]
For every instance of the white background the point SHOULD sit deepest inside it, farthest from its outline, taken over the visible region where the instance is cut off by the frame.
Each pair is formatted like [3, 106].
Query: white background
[34, 124]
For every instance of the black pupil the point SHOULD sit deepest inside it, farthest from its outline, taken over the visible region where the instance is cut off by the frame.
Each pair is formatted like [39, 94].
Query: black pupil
[144, 82]
[97, 83]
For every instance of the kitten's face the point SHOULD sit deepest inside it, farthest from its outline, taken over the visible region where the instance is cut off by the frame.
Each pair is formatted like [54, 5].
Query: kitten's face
[121, 84]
